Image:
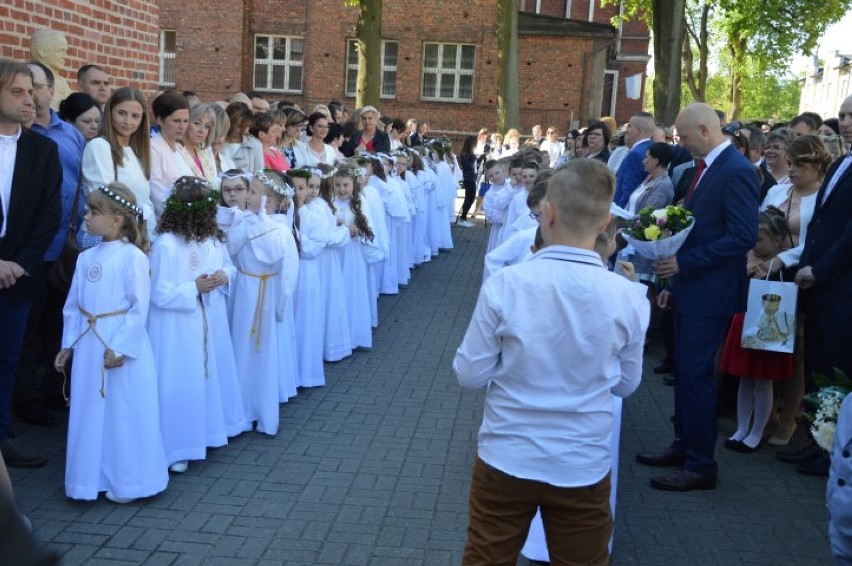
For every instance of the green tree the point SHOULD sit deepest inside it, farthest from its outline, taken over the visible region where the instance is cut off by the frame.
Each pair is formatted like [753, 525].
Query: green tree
[368, 34]
[508, 115]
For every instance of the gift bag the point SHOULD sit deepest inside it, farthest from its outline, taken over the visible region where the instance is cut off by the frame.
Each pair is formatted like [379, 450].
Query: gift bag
[770, 318]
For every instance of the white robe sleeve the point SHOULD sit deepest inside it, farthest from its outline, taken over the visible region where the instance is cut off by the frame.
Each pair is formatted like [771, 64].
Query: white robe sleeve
[373, 253]
[312, 238]
[137, 289]
[167, 291]
[262, 235]
[98, 167]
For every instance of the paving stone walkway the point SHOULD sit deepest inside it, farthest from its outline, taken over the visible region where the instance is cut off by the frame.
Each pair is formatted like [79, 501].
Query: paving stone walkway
[374, 469]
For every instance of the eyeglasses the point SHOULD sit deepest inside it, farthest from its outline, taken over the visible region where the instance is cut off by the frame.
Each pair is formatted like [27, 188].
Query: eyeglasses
[233, 190]
[595, 134]
[536, 216]
[777, 147]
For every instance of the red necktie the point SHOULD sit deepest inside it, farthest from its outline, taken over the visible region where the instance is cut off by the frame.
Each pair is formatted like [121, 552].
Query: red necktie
[699, 170]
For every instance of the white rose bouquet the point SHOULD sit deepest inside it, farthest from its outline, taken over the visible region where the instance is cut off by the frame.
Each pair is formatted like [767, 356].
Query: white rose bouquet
[824, 407]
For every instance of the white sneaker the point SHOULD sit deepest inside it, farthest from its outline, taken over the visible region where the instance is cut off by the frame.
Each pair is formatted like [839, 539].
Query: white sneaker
[179, 467]
[464, 224]
[119, 500]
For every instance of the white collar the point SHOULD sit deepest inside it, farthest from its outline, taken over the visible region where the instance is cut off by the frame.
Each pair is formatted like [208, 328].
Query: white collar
[715, 152]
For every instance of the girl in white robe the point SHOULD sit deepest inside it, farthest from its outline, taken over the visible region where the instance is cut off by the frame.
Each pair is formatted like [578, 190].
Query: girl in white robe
[337, 341]
[403, 230]
[188, 326]
[114, 439]
[373, 201]
[415, 178]
[310, 301]
[361, 250]
[434, 208]
[447, 186]
[259, 248]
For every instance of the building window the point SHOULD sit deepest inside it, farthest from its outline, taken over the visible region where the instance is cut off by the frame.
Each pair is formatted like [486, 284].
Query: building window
[448, 72]
[278, 63]
[390, 55]
[167, 58]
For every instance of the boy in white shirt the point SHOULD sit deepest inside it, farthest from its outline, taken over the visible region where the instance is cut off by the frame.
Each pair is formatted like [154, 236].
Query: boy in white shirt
[544, 339]
[517, 247]
[497, 198]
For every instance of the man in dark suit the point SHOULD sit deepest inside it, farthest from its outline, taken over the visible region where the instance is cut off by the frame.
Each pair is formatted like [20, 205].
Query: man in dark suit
[30, 212]
[709, 285]
[826, 267]
[631, 173]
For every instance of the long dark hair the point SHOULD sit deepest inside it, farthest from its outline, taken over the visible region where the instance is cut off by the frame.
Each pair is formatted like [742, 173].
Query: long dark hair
[468, 146]
[188, 214]
[361, 223]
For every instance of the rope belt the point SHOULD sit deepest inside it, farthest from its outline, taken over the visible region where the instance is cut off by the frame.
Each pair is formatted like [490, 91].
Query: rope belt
[204, 319]
[257, 321]
[92, 319]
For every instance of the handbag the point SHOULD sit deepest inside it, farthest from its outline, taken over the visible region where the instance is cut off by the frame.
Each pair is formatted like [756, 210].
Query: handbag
[63, 268]
[770, 318]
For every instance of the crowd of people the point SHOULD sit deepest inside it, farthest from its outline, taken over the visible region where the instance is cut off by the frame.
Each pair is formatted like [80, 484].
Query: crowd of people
[769, 202]
[229, 248]
[176, 269]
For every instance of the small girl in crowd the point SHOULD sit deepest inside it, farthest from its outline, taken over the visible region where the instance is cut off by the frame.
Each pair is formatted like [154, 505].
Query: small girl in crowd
[264, 252]
[337, 339]
[310, 302]
[405, 204]
[757, 368]
[114, 439]
[235, 185]
[188, 326]
[354, 257]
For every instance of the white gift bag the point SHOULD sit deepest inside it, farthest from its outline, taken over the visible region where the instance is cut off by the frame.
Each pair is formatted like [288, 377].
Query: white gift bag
[770, 318]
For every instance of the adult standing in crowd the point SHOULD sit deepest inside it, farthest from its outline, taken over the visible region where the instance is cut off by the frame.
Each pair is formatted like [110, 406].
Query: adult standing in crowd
[596, 139]
[168, 159]
[94, 81]
[30, 213]
[370, 139]
[631, 172]
[315, 150]
[709, 285]
[44, 329]
[467, 161]
[413, 138]
[244, 150]
[81, 111]
[825, 272]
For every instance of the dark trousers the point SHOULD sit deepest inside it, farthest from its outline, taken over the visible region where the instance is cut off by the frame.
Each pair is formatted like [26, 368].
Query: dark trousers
[577, 520]
[469, 198]
[828, 335]
[13, 325]
[697, 339]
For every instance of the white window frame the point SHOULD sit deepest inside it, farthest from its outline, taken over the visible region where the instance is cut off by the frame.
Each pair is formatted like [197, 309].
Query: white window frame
[614, 97]
[271, 63]
[353, 68]
[458, 72]
[164, 57]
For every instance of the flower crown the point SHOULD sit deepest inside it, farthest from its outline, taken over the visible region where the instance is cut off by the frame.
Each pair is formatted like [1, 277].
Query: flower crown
[230, 174]
[210, 198]
[305, 172]
[283, 191]
[126, 204]
[347, 170]
[330, 174]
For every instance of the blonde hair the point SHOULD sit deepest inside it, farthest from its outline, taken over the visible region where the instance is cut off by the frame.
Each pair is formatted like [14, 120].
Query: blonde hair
[201, 110]
[134, 227]
[581, 192]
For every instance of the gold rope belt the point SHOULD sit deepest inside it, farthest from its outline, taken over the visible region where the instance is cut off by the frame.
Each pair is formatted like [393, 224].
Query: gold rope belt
[257, 321]
[92, 319]
[204, 320]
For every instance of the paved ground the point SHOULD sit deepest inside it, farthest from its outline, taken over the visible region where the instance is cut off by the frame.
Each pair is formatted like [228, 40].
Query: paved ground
[374, 469]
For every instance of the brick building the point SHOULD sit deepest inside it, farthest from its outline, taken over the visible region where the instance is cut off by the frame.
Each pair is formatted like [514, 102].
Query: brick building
[439, 58]
[119, 35]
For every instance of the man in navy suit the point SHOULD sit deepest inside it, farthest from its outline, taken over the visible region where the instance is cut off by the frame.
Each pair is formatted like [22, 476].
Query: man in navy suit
[826, 266]
[709, 285]
[631, 173]
[30, 213]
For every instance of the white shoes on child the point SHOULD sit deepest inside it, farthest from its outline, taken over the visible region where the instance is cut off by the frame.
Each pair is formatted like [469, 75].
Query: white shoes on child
[179, 467]
[119, 500]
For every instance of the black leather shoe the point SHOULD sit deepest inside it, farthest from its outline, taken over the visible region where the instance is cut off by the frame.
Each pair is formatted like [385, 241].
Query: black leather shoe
[669, 380]
[684, 480]
[665, 459]
[19, 459]
[817, 467]
[666, 367]
[32, 412]
[807, 454]
[731, 444]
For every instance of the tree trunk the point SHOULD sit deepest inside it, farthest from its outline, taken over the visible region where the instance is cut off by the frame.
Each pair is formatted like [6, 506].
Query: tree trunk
[668, 26]
[738, 55]
[697, 85]
[369, 35]
[507, 65]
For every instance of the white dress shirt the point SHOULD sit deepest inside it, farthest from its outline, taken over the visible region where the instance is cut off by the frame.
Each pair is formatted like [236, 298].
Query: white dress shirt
[514, 250]
[8, 154]
[545, 338]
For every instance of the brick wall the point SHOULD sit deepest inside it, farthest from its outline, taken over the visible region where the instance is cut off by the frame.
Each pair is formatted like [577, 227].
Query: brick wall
[119, 35]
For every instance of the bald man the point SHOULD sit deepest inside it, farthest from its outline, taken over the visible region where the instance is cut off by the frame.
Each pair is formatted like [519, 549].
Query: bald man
[631, 173]
[709, 285]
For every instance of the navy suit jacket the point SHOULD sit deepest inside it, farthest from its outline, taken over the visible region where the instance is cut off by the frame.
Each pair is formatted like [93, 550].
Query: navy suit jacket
[35, 209]
[828, 244]
[631, 173]
[712, 280]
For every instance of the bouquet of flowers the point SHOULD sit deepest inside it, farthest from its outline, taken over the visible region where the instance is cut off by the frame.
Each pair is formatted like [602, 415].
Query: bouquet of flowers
[658, 234]
[824, 407]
